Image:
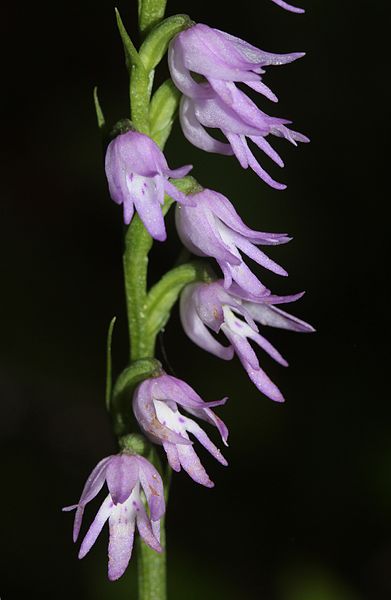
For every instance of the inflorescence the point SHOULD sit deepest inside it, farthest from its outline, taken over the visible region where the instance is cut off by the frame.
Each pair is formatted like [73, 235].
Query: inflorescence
[206, 67]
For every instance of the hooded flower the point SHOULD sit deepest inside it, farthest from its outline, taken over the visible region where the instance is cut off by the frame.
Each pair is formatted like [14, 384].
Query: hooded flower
[212, 227]
[155, 405]
[289, 7]
[216, 102]
[125, 476]
[234, 312]
[137, 173]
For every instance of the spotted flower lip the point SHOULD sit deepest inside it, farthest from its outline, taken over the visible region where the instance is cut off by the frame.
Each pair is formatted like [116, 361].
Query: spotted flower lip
[217, 103]
[137, 174]
[289, 7]
[211, 227]
[155, 405]
[234, 312]
[125, 476]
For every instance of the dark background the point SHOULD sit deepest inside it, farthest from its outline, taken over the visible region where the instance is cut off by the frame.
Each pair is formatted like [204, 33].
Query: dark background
[303, 511]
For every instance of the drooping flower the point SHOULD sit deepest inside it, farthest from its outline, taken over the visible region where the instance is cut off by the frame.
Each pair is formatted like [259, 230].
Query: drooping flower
[289, 7]
[137, 173]
[234, 312]
[212, 227]
[216, 102]
[125, 476]
[155, 405]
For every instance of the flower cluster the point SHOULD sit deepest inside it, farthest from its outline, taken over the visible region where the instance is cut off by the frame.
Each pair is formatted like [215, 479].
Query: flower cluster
[221, 61]
[207, 66]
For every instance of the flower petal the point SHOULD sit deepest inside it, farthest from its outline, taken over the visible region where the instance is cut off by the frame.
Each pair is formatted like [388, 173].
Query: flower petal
[180, 74]
[91, 489]
[199, 232]
[121, 476]
[96, 527]
[255, 253]
[243, 276]
[294, 9]
[122, 525]
[269, 348]
[266, 298]
[263, 383]
[172, 456]
[263, 89]
[203, 438]
[214, 113]
[145, 413]
[128, 207]
[256, 167]
[197, 332]
[225, 211]
[196, 133]
[152, 485]
[260, 57]
[139, 154]
[264, 145]
[239, 147]
[242, 346]
[148, 196]
[144, 527]
[275, 317]
[178, 173]
[206, 414]
[192, 465]
[273, 299]
[116, 175]
[205, 51]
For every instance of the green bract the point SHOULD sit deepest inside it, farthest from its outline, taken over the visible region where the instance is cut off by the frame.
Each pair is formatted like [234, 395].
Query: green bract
[150, 12]
[162, 111]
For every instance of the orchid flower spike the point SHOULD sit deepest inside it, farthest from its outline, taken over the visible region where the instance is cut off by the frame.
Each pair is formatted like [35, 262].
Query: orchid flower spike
[137, 173]
[234, 312]
[125, 475]
[216, 102]
[212, 227]
[155, 405]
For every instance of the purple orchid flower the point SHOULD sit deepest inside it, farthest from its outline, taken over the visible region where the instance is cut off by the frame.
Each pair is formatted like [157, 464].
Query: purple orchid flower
[289, 7]
[234, 313]
[137, 173]
[123, 508]
[222, 59]
[155, 405]
[212, 227]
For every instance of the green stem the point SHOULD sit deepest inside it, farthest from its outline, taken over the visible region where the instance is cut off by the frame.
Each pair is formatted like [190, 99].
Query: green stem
[147, 313]
[138, 243]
